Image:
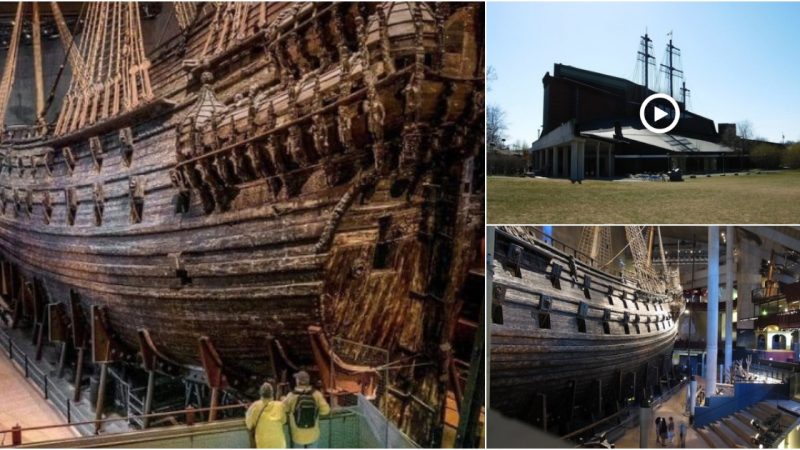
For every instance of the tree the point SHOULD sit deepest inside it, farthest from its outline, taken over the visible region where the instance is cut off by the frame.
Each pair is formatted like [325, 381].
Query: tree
[766, 156]
[491, 77]
[791, 157]
[495, 125]
[745, 131]
[519, 145]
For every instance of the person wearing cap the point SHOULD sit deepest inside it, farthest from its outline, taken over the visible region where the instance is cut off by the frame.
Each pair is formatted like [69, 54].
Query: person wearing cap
[305, 405]
[265, 420]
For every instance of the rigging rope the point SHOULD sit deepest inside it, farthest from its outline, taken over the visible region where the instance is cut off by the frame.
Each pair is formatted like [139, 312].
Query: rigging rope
[114, 73]
[51, 97]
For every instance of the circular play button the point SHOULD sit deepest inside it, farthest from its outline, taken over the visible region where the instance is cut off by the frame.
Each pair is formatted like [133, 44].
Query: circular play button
[663, 106]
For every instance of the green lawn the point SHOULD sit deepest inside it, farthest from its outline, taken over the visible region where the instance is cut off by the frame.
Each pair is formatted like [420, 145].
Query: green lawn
[763, 198]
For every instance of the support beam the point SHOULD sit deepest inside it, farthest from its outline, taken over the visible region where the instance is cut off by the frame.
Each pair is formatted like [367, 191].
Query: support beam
[574, 166]
[78, 339]
[712, 334]
[539, 412]
[153, 360]
[101, 396]
[105, 350]
[469, 412]
[611, 160]
[776, 236]
[548, 170]
[730, 236]
[597, 160]
[645, 417]
[148, 399]
[213, 367]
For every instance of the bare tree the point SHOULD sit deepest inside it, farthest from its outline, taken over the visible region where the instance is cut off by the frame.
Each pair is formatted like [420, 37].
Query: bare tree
[745, 131]
[519, 145]
[742, 140]
[495, 125]
[491, 77]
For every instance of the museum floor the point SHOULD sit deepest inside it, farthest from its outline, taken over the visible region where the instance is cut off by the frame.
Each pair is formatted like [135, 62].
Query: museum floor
[21, 404]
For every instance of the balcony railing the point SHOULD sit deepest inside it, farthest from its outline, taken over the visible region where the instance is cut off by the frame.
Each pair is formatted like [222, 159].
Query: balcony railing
[786, 319]
[765, 293]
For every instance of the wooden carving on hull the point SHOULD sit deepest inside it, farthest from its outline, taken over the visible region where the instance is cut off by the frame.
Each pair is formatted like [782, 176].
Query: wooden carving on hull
[309, 177]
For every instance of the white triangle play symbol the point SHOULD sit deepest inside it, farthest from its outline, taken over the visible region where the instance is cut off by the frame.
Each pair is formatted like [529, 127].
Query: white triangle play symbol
[658, 114]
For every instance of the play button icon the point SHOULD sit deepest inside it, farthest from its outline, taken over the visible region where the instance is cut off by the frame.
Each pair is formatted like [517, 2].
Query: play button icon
[663, 106]
[658, 114]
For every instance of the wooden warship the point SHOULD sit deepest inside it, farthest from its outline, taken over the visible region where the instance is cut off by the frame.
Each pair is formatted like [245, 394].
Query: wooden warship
[569, 339]
[271, 178]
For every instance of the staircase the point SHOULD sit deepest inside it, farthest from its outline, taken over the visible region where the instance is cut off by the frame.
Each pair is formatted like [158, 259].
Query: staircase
[737, 430]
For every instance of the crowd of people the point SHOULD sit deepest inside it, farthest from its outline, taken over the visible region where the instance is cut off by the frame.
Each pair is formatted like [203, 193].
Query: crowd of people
[301, 409]
[665, 432]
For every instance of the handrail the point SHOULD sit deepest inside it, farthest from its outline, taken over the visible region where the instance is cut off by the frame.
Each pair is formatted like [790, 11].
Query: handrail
[594, 425]
[187, 411]
[660, 400]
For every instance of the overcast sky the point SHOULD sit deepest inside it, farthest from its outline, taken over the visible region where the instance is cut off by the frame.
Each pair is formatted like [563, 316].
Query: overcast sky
[741, 60]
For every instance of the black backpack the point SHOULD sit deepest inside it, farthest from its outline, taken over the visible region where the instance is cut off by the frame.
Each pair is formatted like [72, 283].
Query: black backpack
[306, 411]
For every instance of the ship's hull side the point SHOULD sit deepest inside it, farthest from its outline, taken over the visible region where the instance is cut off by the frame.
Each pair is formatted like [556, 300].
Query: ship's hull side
[560, 346]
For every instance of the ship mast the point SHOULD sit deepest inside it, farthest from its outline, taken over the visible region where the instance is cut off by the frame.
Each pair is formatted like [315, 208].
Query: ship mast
[644, 57]
[645, 276]
[10, 68]
[671, 69]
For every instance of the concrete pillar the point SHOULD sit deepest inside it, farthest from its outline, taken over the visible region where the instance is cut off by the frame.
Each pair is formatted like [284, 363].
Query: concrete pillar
[556, 162]
[597, 160]
[547, 168]
[489, 276]
[645, 420]
[748, 277]
[692, 396]
[611, 160]
[712, 335]
[581, 160]
[565, 165]
[730, 235]
[574, 165]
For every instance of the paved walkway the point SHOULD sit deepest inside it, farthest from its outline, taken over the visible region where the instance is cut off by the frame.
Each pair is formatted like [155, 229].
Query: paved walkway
[21, 403]
[674, 407]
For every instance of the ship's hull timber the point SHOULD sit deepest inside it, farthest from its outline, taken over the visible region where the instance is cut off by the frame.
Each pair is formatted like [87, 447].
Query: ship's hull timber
[253, 200]
[558, 346]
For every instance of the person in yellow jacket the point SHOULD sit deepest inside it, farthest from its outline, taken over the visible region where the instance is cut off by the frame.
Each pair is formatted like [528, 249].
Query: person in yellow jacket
[305, 405]
[265, 419]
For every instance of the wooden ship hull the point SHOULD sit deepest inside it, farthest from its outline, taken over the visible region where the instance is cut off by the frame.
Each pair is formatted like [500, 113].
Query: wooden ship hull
[290, 176]
[568, 340]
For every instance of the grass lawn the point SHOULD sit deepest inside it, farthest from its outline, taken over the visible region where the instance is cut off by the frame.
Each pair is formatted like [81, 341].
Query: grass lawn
[763, 198]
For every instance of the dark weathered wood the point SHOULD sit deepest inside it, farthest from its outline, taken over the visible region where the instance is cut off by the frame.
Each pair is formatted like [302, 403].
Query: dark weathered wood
[553, 333]
[317, 169]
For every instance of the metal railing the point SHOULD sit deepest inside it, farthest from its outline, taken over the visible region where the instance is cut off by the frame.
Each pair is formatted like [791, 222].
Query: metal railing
[764, 293]
[625, 416]
[189, 413]
[41, 381]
